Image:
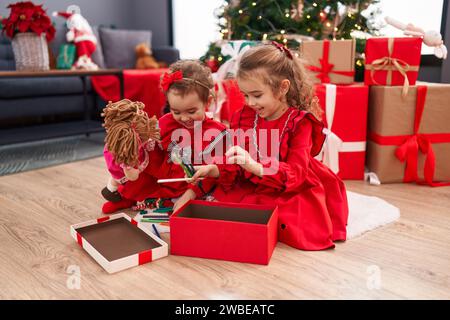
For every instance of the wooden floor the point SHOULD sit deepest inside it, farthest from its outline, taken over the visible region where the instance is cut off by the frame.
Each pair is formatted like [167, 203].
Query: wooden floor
[406, 259]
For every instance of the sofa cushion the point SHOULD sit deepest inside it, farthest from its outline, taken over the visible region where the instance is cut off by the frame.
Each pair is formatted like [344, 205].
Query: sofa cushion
[6, 54]
[49, 106]
[166, 54]
[97, 56]
[38, 87]
[118, 46]
[60, 39]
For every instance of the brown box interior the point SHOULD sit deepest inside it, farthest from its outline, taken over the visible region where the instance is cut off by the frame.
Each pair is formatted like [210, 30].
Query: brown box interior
[226, 214]
[117, 238]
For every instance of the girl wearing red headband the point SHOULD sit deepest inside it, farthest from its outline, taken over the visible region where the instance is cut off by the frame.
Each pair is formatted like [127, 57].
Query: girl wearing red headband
[187, 86]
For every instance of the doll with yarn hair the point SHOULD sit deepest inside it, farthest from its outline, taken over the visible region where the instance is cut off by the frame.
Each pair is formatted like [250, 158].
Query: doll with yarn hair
[130, 137]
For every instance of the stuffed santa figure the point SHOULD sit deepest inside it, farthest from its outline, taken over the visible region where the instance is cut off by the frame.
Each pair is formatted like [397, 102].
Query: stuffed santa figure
[80, 33]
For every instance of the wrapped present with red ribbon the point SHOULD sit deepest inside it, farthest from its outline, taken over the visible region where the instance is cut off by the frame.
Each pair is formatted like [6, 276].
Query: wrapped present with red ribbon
[392, 61]
[330, 61]
[409, 138]
[345, 119]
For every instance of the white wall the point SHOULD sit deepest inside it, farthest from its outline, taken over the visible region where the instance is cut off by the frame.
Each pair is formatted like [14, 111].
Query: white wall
[195, 26]
[424, 14]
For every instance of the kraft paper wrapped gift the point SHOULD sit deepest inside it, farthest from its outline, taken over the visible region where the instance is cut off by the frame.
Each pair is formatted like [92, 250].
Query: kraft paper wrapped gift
[330, 61]
[409, 138]
[345, 118]
[225, 231]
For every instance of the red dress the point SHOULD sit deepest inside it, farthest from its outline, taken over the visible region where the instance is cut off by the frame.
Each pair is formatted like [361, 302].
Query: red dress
[311, 199]
[162, 167]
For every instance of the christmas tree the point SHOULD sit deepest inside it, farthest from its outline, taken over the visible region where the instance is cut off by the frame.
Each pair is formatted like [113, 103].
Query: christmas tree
[290, 21]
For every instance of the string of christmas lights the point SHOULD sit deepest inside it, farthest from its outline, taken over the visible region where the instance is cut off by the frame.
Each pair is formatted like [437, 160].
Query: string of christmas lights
[288, 21]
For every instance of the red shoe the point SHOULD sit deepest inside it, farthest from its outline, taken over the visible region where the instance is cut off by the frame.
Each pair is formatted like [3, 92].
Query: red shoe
[111, 207]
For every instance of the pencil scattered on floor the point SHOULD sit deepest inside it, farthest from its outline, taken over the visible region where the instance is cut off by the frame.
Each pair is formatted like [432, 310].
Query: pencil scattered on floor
[156, 231]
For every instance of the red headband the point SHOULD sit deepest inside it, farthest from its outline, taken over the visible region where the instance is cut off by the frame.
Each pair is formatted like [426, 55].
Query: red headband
[169, 78]
[283, 49]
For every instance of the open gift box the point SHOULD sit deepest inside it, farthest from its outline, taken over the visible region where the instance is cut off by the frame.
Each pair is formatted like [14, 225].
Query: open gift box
[225, 231]
[117, 242]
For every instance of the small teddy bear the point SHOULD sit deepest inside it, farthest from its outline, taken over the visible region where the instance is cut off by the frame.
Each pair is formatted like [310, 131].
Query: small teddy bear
[144, 58]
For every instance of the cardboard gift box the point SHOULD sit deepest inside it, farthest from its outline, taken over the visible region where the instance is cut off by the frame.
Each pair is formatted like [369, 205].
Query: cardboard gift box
[345, 118]
[392, 61]
[409, 138]
[225, 231]
[117, 242]
[330, 61]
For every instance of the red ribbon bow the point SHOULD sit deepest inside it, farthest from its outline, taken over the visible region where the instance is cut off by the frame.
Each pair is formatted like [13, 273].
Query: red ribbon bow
[283, 49]
[326, 67]
[169, 78]
[408, 152]
[409, 146]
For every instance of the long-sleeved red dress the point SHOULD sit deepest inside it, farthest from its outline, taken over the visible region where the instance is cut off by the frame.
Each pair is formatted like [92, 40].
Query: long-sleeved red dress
[162, 167]
[311, 199]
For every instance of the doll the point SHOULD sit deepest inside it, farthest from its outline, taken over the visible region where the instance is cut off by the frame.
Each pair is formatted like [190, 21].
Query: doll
[130, 137]
[430, 38]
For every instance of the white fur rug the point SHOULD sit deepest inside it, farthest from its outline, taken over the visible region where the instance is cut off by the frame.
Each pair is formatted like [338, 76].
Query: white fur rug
[368, 213]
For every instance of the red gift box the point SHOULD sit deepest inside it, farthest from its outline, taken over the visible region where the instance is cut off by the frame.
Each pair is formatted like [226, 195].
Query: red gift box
[225, 231]
[345, 118]
[229, 99]
[392, 61]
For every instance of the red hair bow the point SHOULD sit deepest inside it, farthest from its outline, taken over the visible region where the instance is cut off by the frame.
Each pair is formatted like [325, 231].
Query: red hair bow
[282, 48]
[169, 78]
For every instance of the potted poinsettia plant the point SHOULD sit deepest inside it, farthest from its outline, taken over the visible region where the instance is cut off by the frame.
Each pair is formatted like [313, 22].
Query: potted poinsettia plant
[30, 28]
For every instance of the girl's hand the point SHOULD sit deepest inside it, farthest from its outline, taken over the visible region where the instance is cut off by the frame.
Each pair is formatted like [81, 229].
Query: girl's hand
[187, 195]
[237, 155]
[210, 170]
[132, 174]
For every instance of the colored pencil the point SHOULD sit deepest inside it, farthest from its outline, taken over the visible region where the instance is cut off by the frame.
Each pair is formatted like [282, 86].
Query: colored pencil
[163, 210]
[156, 217]
[156, 231]
[175, 180]
[153, 220]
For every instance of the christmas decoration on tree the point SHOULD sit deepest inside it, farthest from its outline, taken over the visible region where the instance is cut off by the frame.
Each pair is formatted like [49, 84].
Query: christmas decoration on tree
[287, 21]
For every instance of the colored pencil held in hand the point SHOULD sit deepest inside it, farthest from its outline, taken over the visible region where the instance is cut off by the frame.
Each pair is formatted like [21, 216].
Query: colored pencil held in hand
[187, 168]
[175, 180]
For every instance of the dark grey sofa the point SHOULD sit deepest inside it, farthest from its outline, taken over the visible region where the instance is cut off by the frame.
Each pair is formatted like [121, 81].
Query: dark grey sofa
[33, 108]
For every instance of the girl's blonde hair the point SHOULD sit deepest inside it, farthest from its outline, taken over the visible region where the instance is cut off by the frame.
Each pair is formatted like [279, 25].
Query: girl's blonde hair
[196, 78]
[272, 64]
[127, 127]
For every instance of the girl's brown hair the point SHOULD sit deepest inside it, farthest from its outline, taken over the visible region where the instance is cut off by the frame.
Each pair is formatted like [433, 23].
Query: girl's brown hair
[196, 78]
[273, 64]
[127, 127]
